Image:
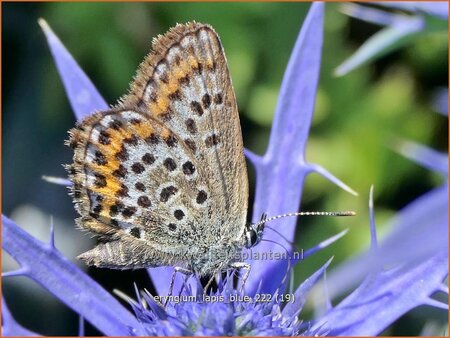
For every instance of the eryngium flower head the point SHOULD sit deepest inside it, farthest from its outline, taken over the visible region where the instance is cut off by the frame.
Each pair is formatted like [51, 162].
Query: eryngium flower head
[224, 312]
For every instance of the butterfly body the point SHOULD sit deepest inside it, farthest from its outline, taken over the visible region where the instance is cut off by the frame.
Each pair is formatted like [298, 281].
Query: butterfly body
[161, 178]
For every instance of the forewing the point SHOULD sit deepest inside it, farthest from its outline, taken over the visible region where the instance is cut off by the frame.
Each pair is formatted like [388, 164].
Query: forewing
[185, 83]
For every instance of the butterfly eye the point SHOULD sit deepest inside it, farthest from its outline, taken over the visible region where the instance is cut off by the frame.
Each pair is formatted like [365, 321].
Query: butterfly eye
[251, 237]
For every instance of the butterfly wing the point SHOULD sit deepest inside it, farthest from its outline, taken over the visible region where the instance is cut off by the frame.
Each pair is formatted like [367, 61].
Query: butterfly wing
[134, 184]
[186, 84]
[164, 174]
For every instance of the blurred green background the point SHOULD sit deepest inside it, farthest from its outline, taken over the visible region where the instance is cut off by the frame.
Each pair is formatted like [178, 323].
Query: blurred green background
[357, 117]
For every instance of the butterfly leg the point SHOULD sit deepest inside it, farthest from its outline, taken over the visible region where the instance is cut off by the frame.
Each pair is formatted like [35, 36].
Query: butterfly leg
[209, 283]
[176, 269]
[239, 266]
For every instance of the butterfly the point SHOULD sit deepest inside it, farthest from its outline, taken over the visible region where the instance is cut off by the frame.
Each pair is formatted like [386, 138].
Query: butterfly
[160, 179]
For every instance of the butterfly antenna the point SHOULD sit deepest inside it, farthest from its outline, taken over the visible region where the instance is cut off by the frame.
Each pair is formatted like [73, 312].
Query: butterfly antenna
[308, 213]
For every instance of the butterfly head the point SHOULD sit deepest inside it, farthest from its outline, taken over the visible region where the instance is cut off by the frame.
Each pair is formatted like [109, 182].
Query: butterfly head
[254, 232]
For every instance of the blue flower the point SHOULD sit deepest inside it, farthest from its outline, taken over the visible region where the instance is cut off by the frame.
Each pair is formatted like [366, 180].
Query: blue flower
[226, 312]
[381, 298]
